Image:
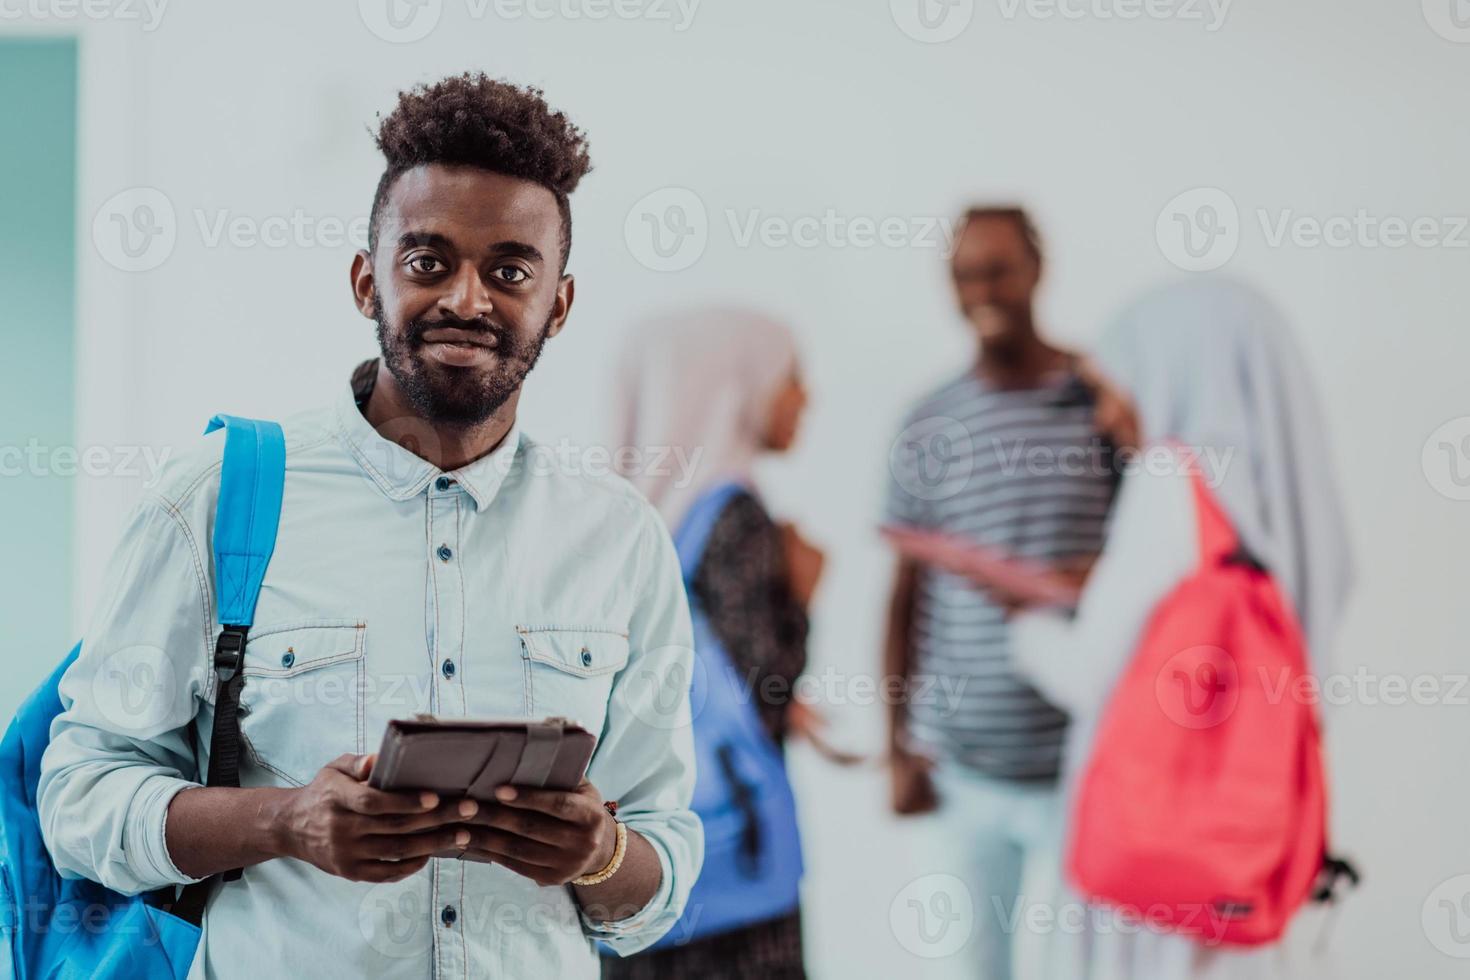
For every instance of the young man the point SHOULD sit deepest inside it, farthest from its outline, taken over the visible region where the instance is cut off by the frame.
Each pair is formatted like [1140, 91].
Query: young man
[430, 559]
[1003, 456]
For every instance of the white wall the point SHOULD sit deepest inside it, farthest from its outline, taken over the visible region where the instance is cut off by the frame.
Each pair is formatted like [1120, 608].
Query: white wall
[1323, 107]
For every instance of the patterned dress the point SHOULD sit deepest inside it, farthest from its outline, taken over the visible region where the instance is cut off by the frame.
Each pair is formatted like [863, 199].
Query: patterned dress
[741, 584]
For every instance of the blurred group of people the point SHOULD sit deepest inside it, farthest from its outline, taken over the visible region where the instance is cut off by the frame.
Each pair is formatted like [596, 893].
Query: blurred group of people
[1021, 584]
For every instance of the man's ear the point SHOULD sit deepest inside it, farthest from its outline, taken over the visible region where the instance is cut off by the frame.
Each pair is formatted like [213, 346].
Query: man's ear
[566, 291]
[362, 283]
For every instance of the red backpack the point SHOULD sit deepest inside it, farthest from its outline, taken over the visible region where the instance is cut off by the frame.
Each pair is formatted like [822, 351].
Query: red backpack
[1203, 807]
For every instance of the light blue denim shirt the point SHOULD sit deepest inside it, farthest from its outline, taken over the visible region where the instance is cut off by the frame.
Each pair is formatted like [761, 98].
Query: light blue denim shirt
[515, 586]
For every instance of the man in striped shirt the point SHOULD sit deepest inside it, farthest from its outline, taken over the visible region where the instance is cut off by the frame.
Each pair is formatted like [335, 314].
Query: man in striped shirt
[1004, 456]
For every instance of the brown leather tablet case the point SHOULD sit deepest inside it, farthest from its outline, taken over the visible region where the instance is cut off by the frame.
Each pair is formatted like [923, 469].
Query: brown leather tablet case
[470, 757]
[458, 757]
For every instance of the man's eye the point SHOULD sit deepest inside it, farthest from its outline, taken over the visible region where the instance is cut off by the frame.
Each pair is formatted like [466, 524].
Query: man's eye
[511, 273]
[425, 264]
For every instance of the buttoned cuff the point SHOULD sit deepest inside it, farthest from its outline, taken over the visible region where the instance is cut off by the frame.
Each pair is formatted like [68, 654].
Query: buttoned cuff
[144, 839]
[646, 926]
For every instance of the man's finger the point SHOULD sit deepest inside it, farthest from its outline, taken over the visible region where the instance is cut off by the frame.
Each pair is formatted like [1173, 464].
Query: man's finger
[404, 847]
[524, 823]
[362, 798]
[347, 763]
[559, 803]
[537, 873]
[447, 812]
[504, 844]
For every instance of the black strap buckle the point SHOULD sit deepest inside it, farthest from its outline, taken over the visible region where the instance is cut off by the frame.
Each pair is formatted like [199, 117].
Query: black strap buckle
[1244, 556]
[229, 651]
[1333, 869]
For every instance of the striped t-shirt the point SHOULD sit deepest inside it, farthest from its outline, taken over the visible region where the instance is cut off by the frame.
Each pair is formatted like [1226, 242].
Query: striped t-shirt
[1025, 473]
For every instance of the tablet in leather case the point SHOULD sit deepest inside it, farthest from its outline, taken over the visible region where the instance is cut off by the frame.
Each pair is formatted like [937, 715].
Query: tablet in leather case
[470, 757]
[458, 757]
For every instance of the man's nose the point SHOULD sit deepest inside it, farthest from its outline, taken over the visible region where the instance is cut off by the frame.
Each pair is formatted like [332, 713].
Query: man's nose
[466, 297]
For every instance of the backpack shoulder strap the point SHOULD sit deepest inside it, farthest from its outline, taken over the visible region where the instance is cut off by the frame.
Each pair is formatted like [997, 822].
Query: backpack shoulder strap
[1217, 540]
[1216, 533]
[247, 515]
[252, 479]
[698, 523]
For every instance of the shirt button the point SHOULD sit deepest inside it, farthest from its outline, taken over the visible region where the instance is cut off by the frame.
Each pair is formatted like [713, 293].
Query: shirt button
[288, 658]
[586, 657]
[448, 668]
[444, 553]
[448, 915]
[443, 483]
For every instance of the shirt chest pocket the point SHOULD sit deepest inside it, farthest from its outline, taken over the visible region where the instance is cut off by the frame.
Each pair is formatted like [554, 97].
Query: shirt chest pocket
[301, 704]
[570, 671]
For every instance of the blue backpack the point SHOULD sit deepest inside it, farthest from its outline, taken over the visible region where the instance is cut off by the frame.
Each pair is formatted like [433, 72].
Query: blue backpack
[55, 927]
[752, 851]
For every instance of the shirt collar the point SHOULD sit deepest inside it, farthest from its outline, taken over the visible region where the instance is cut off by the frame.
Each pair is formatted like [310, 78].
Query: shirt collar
[401, 474]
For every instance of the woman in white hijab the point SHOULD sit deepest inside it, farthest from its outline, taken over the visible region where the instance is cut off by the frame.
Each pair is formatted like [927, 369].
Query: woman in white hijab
[1210, 364]
[702, 394]
[706, 391]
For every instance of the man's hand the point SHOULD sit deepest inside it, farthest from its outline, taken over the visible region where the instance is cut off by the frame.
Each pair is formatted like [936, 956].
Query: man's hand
[349, 829]
[550, 836]
[913, 788]
[804, 563]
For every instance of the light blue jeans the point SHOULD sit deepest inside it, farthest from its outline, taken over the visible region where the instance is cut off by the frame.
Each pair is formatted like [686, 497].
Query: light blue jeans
[999, 838]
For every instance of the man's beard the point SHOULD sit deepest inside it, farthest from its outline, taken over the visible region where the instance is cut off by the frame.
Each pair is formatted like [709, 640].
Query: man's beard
[460, 397]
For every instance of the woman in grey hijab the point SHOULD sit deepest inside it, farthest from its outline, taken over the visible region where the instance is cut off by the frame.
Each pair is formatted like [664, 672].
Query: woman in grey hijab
[1209, 364]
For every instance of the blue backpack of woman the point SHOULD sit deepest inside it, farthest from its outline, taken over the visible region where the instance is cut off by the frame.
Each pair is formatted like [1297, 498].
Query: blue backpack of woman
[752, 851]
